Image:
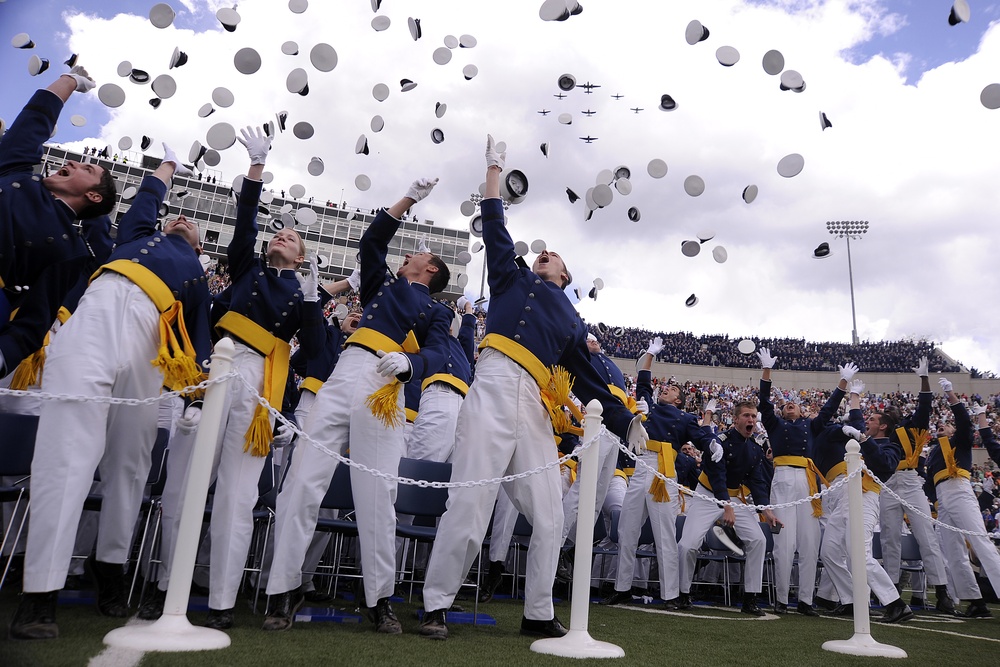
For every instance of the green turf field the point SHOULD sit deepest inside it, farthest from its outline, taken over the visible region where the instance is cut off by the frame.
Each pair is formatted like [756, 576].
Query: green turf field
[709, 636]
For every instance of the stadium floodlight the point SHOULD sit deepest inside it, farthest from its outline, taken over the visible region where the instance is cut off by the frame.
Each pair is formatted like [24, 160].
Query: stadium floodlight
[849, 229]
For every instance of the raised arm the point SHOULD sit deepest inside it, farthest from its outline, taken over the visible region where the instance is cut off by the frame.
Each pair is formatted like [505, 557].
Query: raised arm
[764, 405]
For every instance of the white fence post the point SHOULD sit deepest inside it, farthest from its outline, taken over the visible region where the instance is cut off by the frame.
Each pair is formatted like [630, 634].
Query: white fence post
[173, 631]
[578, 643]
[862, 643]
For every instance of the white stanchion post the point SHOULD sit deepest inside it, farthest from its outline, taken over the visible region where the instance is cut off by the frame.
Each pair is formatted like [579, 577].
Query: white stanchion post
[173, 631]
[862, 643]
[578, 643]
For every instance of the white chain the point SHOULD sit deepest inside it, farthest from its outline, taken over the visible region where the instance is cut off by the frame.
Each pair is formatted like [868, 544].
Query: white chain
[737, 505]
[913, 509]
[75, 398]
[422, 483]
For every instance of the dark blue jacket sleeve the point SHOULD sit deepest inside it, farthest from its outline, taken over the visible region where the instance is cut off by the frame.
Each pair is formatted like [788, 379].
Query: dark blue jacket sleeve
[766, 408]
[140, 220]
[21, 146]
[588, 385]
[644, 387]
[827, 412]
[374, 247]
[467, 337]
[885, 455]
[758, 480]
[500, 254]
[241, 249]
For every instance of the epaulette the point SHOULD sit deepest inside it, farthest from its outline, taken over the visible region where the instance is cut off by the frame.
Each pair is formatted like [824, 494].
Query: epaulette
[722, 437]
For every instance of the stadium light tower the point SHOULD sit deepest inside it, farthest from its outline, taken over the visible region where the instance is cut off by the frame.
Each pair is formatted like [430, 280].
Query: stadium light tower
[849, 229]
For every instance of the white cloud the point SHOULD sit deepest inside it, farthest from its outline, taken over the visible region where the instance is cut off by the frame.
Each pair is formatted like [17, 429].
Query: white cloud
[917, 161]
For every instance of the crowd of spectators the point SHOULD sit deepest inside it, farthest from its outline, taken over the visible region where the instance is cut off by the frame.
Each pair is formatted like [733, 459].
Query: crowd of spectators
[797, 354]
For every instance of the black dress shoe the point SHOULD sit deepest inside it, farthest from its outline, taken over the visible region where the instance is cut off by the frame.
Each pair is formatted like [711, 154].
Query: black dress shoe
[618, 597]
[683, 601]
[824, 604]
[916, 602]
[843, 610]
[318, 597]
[433, 625]
[384, 619]
[553, 628]
[750, 605]
[493, 579]
[780, 608]
[672, 605]
[35, 617]
[897, 612]
[112, 591]
[945, 606]
[281, 609]
[806, 609]
[152, 607]
[976, 609]
[219, 619]
[564, 569]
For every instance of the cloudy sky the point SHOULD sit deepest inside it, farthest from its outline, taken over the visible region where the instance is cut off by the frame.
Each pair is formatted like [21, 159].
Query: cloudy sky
[912, 150]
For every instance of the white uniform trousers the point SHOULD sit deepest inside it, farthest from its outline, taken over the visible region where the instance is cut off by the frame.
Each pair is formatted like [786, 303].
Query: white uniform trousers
[701, 516]
[504, 520]
[800, 533]
[958, 506]
[636, 507]
[433, 435]
[607, 457]
[835, 550]
[909, 486]
[605, 567]
[340, 420]
[503, 428]
[105, 349]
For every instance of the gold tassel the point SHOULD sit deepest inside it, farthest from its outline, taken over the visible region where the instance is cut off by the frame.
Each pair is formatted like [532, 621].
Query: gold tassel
[28, 371]
[659, 490]
[817, 505]
[258, 441]
[384, 404]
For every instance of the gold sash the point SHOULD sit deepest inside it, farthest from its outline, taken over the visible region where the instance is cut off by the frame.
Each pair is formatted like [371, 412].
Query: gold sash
[276, 354]
[665, 457]
[811, 473]
[951, 466]
[867, 482]
[911, 448]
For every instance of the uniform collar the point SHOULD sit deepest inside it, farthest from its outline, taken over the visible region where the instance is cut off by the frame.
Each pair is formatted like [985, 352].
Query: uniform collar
[284, 273]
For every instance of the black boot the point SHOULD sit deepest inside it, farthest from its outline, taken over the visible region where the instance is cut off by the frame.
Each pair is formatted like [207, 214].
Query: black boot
[493, 579]
[896, 612]
[750, 605]
[112, 591]
[944, 604]
[532, 628]
[433, 625]
[152, 607]
[281, 609]
[384, 619]
[35, 617]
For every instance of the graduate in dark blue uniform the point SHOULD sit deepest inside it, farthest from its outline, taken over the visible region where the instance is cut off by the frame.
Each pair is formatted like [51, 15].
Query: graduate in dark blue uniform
[40, 249]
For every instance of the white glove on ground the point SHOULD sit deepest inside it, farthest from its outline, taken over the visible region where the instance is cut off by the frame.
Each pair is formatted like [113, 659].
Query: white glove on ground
[257, 144]
[420, 188]
[394, 363]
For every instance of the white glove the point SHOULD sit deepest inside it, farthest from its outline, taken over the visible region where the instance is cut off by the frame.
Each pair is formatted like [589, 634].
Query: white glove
[394, 363]
[463, 304]
[852, 432]
[946, 385]
[354, 280]
[847, 371]
[637, 436]
[420, 188]
[921, 367]
[83, 80]
[642, 407]
[180, 169]
[978, 410]
[857, 386]
[494, 159]
[189, 422]
[715, 449]
[655, 346]
[256, 143]
[766, 360]
[310, 283]
[711, 406]
[283, 436]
